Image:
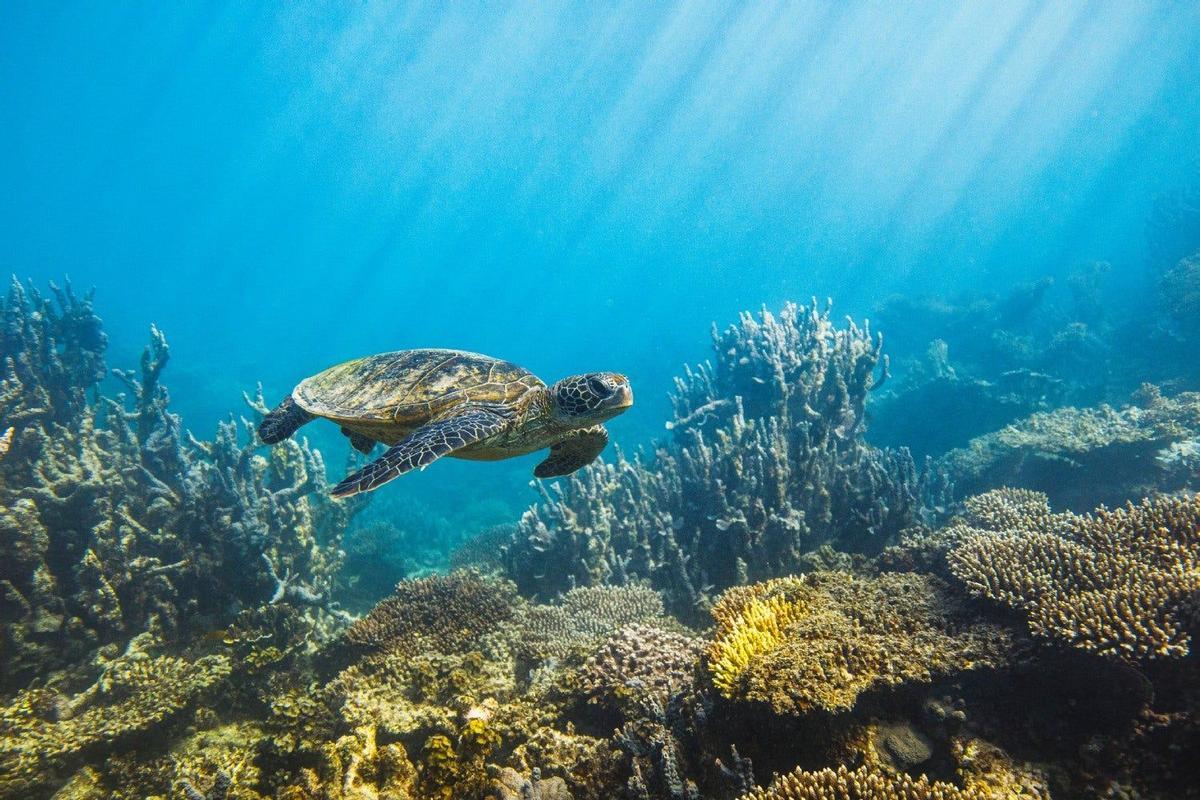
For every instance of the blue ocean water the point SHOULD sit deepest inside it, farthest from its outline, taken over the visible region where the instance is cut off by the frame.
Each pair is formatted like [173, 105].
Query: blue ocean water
[570, 186]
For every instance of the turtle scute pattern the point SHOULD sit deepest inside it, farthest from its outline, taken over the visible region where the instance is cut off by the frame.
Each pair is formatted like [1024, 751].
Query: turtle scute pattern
[413, 385]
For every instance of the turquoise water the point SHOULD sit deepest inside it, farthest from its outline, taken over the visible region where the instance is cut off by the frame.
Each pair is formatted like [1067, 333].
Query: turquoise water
[569, 186]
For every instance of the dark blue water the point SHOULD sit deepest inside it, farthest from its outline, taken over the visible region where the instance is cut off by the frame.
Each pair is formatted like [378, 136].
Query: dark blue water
[569, 186]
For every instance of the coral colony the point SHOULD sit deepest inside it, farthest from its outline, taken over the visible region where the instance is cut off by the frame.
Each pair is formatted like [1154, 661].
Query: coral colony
[765, 605]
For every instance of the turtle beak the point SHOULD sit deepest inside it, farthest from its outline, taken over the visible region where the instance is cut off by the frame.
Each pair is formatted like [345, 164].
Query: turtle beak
[622, 398]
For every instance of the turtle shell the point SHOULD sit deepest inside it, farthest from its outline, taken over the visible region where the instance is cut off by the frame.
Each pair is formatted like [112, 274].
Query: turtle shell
[409, 387]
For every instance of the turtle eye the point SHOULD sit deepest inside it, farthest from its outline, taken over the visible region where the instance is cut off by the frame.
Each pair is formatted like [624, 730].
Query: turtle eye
[598, 386]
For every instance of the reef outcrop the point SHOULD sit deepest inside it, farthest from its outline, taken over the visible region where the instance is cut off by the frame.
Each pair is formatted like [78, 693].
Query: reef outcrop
[1082, 457]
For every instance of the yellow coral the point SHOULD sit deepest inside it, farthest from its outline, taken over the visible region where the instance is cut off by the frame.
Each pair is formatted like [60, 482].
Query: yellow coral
[821, 640]
[749, 626]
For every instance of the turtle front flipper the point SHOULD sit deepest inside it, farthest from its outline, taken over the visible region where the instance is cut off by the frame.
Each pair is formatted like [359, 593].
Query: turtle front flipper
[281, 423]
[423, 446]
[574, 452]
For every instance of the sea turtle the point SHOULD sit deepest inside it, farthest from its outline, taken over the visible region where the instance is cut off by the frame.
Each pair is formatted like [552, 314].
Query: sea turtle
[425, 404]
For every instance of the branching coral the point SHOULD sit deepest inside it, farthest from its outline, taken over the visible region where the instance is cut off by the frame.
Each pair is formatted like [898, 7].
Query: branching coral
[1119, 583]
[865, 783]
[819, 641]
[117, 522]
[767, 462]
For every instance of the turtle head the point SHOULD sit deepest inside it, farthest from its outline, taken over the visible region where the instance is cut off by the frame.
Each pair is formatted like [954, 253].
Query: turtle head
[591, 398]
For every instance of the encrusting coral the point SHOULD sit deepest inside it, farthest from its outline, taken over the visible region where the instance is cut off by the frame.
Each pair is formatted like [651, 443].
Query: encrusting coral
[818, 641]
[767, 463]
[1120, 583]
[639, 665]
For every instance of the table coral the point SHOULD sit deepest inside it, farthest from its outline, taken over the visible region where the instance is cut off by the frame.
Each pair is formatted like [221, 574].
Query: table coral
[865, 783]
[442, 612]
[44, 732]
[818, 641]
[1116, 583]
[582, 617]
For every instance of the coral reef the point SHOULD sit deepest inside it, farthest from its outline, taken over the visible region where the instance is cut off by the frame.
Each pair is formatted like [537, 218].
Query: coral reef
[45, 733]
[640, 665]
[116, 522]
[864, 783]
[819, 641]
[1179, 287]
[442, 611]
[972, 364]
[1119, 583]
[767, 462]
[1085, 457]
[171, 623]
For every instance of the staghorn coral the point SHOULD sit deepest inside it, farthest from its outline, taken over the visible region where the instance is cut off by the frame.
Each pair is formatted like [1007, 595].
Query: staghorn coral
[45, 733]
[1116, 583]
[819, 641]
[117, 522]
[639, 665]
[766, 463]
[440, 612]
[1082, 457]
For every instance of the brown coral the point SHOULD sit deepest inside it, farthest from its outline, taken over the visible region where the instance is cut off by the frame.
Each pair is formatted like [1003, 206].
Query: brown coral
[442, 612]
[44, 732]
[1118, 582]
[583, 616]
[640, 665]
[865, 783]
[818, 641]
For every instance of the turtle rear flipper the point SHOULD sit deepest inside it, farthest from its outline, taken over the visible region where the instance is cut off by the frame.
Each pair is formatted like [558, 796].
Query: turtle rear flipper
[359, 441]
[422, 447]
[281, 423]
[574, 452]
